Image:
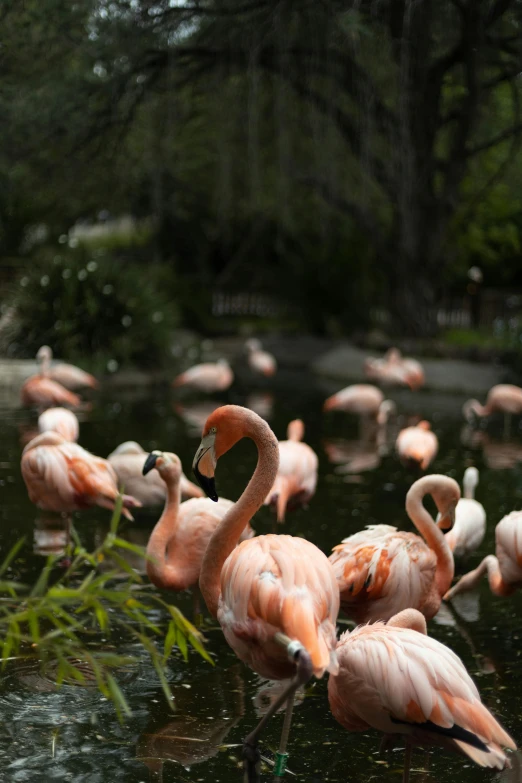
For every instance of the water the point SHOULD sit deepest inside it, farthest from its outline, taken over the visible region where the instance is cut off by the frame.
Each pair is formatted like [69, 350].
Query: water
[73, 734]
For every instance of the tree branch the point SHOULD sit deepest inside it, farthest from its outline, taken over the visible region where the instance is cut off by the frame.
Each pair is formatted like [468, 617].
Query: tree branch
[514, 130]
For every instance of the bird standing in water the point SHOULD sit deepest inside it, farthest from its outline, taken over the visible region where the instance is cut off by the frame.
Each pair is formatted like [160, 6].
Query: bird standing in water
[179, 540]
[382, 570]
[297, 474]
[505, 570]
[66, 374]
[260, 361]
[469, 529]
[62, 476]
[418, 445]
[275, 596]
[208, 377]
[392, 677]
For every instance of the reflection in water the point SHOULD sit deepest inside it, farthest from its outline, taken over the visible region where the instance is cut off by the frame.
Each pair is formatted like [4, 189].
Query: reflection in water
[469, 613]
[195, 414]
[261, 403]
[206, 710]
[361, 454]
[498, 454]
[51, 534]
[269, 691]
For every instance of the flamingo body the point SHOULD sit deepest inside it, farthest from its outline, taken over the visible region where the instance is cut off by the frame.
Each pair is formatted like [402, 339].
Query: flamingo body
[395, 369]
[260, 361]
[67, 375]
[59, 420]
[297, 474]
[417, 445]
[127, 460]
[381, 570]
[41, 392]
[208, 377]
[278, 583]
[399, 681]
[62, 476]
[360, 398]
[502, 398]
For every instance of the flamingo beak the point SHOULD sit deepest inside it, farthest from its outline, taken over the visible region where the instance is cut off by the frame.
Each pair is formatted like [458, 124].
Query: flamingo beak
[204, 465]
[150, 463]
[447, 519]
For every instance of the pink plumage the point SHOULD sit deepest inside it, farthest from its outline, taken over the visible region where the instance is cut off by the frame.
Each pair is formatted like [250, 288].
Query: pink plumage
[297, 474]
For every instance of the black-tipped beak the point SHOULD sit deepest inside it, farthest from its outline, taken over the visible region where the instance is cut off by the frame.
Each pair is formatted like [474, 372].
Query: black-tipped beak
[150, 464]
[206, 483]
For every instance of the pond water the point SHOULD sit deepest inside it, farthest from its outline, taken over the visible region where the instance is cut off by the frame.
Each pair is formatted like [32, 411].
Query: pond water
[73, 734]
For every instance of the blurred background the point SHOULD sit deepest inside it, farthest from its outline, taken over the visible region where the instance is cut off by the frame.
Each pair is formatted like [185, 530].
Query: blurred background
[340, 169]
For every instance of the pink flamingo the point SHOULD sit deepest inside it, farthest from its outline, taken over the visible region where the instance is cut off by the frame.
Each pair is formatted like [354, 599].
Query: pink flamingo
[363, 399]
[66, 374]
[61, 476]
[297, 475]
[382, 570]
[275, 596]
[40, 392]
[503, 398]
[60, 420]
[209, 377]
[178, 542]
[394, 368]
[260, 361]
[417, 445]
[392, 677]
[127, 460]
[505, 570]
[469, 529]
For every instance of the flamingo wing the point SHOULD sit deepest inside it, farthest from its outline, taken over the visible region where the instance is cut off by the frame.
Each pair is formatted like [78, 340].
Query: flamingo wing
[45, 472]
[72, 377]
[469, 529]
[404, 681]
[381, 571]
[279, 583]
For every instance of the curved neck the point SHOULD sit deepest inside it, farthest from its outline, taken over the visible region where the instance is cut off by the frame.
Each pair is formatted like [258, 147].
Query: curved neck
[45, 365]
[226, 535]
[162, 570]
[434, 537]
[478, 409]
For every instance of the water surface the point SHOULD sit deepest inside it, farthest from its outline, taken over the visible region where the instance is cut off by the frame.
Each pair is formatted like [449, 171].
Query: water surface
[73, 734]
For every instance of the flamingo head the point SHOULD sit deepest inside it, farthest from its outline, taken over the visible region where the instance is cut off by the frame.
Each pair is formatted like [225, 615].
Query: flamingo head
[253, 344]
[223, 429]
[44, 354]
[446, 495]
[168, 465]
[295, 430]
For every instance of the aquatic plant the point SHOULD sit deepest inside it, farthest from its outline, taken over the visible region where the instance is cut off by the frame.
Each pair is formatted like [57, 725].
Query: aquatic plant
[53, 621]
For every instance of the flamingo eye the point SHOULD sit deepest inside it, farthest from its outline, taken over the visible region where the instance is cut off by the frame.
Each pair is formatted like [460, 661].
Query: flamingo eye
[212, 431]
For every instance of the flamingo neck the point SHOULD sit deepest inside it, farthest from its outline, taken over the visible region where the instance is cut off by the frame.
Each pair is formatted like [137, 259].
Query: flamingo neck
[45, 366]
[474, 406]
[226, 535]
[433, 536]
[163, 571]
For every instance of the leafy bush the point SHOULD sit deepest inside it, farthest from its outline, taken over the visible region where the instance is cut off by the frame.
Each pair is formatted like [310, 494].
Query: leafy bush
[53, 620]
[86, 303]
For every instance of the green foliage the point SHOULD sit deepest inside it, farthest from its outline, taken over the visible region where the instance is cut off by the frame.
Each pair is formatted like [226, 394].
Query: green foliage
[87, 303]
[53, 620]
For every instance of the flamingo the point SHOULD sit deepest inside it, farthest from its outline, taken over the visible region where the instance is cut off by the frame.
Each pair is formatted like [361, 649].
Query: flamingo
[41, 392]
[59, 420]
[260, 361]
[382, 570]
[469, 529]
[417, 445]
[179, 539]
[275, 596]
[127, 460]
[394, 368]
[361, 398]
[62, 476]
[503, 398]
[392, 677]
[208, 377]
[66, 374]
[297, 475]
[505, 570]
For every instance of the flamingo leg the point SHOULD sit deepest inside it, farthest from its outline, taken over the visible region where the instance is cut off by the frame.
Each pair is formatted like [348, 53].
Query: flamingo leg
[407, 763]
[507, 425]
[304, 671]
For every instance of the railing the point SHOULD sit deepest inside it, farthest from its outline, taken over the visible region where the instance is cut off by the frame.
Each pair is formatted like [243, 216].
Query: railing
[246, 303]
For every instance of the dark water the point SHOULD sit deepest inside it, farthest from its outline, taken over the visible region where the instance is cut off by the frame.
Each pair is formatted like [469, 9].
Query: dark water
[73, 734]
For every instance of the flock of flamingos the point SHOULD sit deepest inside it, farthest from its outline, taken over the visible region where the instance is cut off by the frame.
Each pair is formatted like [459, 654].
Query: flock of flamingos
[277, 597]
